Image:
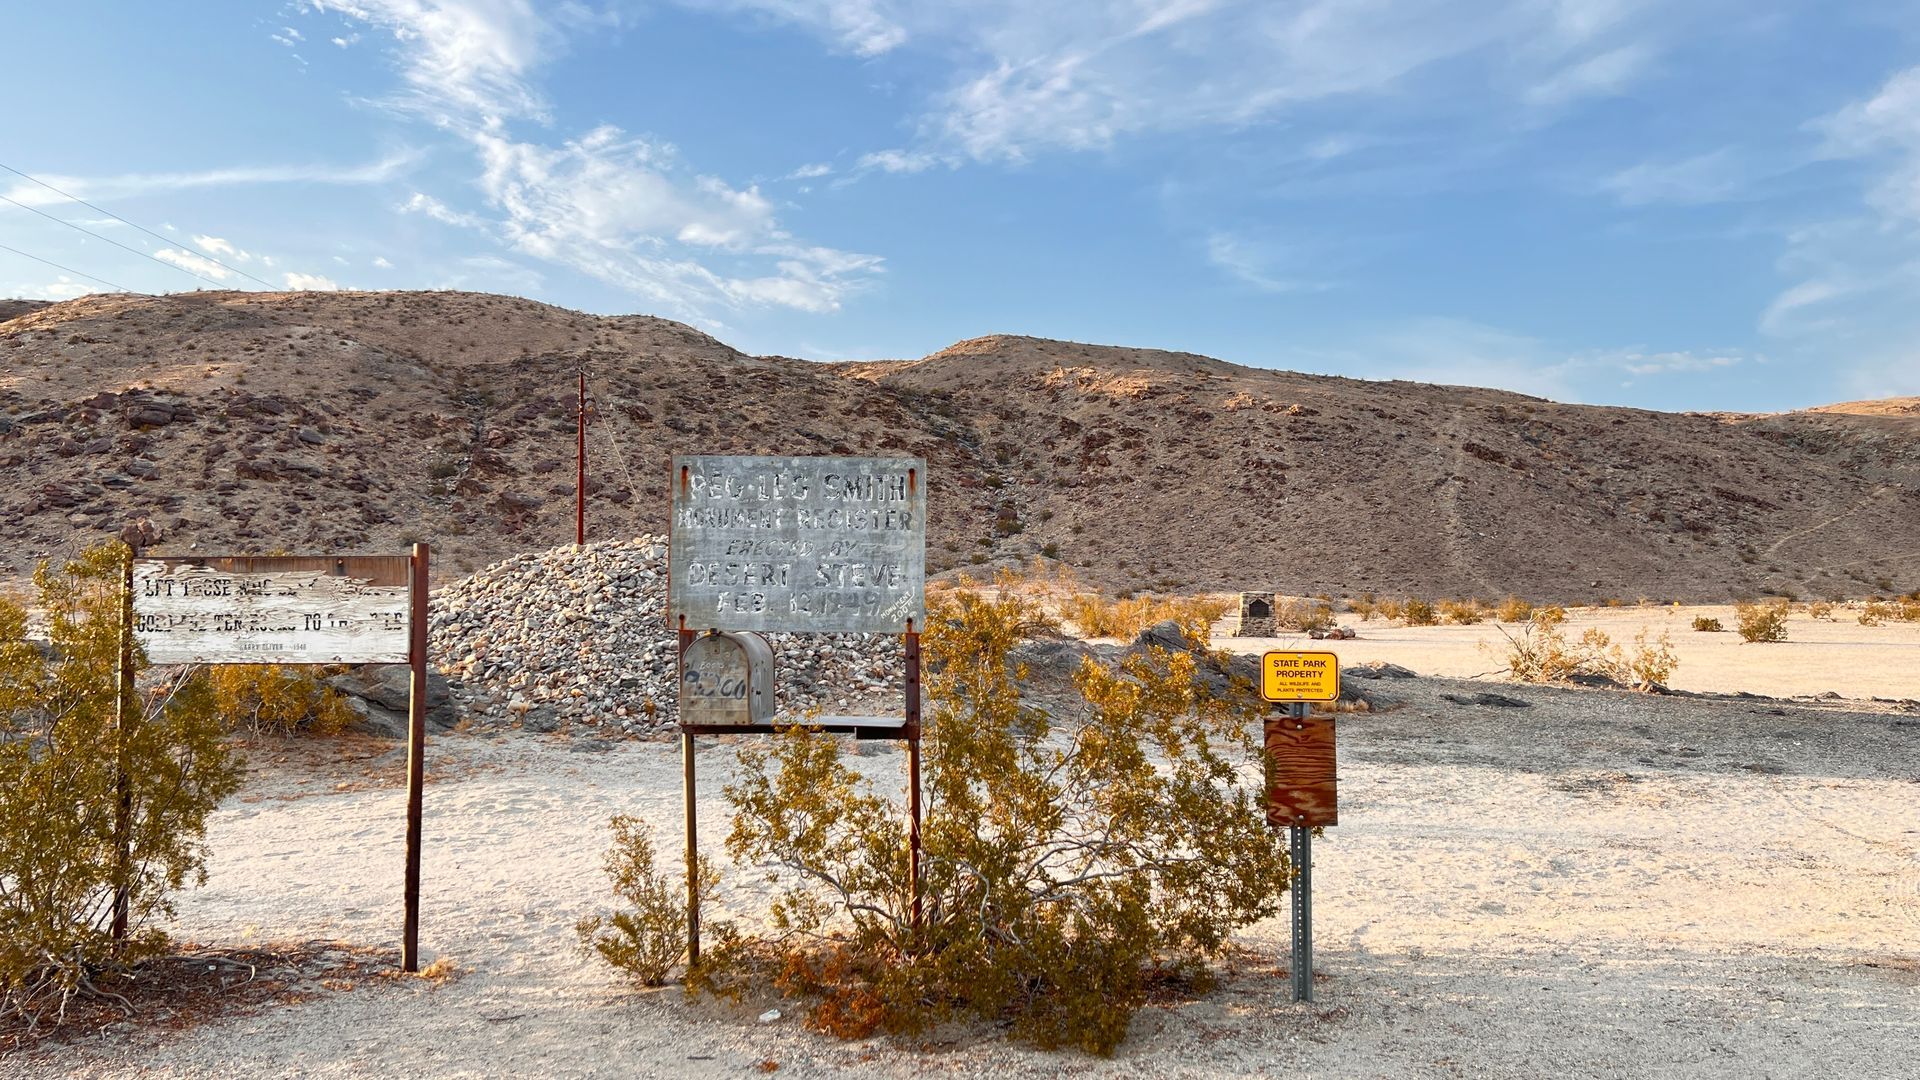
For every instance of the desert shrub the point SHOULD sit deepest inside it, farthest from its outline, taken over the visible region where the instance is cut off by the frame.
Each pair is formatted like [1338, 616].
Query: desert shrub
[1762, 622]
[1365, 607]
[1060, 872]
[648, 938]
[1417, 612]
[1541, 653]
[1552, 615]
[1293, 613]
[1096, 616]
[1707, 625]
[1461, 612]
[1820, 609]
[84, 775]
[1390, 610]
[1513, 610]
[276, 699]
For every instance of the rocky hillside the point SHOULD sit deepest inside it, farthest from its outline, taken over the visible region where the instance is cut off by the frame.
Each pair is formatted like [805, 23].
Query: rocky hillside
[235, 422]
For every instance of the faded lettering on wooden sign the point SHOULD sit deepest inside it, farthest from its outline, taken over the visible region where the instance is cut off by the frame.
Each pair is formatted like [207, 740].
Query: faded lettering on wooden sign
[266, 610]
[824, 544]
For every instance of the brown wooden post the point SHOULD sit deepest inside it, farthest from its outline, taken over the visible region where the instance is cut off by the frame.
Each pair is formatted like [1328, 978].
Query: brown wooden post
[416, 752]
[126, 706]
[580, 467]
[690, 793]
[913, 768]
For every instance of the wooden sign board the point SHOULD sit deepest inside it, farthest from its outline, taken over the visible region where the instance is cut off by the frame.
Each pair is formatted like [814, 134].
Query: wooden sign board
[273, 610]
[800, 544]
[1301, 771]
[1300, 676]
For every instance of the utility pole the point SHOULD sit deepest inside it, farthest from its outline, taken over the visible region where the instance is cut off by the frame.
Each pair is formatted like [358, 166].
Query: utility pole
[580, 470]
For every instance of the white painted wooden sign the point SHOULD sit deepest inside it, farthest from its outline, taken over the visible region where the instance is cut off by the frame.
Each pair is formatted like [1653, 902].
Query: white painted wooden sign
[196, 614]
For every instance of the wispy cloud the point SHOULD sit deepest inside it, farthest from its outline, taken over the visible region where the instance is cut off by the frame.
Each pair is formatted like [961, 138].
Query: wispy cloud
[810, 172]
[187, 260]
[898, 161]
[1602, 75]
[311, 282]
[1704, 178]
[1260, 266]
[620, 208]
[135, 185]
[214, 245]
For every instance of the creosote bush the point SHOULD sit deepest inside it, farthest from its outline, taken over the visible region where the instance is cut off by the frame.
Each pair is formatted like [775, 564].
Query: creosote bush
[1067, 860]
[1096, 616]
[1762, 622]
[1707, 625]
[1541, 653]
[1461, 612]
[648, 938]
[1513, 610]
[274, 699]
[82, 774]
[1418, 613]
[1294, 613]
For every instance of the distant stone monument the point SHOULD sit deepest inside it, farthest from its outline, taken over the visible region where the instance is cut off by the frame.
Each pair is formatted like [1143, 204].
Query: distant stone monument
[1256, 615]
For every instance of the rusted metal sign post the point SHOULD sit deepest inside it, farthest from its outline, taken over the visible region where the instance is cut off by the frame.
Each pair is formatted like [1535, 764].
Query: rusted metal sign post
[1300, 779]
[355, 609]
[800, 545]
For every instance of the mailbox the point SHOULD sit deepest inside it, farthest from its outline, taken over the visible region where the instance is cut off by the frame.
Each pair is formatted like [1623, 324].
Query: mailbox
[726, 678]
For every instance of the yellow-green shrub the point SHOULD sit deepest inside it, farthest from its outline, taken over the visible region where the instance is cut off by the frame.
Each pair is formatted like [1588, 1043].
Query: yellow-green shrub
[1514, 610]
[648, 938]
[275, 699]
[1461, 612]
[1417, 612]
[1762, 622]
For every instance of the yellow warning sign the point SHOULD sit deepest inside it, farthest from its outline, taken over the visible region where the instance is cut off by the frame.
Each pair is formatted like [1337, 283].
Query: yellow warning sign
[1299, 676]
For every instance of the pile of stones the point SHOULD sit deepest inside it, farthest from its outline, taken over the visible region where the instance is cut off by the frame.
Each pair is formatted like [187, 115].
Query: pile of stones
[571, 638]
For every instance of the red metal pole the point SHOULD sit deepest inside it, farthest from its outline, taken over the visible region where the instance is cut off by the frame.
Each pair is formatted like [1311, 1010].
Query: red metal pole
[913, 769]
[580, 470]
[416, 753]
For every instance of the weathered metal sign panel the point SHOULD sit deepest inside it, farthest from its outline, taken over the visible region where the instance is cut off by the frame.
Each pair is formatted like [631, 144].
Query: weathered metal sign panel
[726, 679]
[1301, 771]
[820, 544]
[272, 610]
[1299, 676]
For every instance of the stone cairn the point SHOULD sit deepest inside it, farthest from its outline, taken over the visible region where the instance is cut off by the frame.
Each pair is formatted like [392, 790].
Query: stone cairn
[1256, 615]
[577, 638]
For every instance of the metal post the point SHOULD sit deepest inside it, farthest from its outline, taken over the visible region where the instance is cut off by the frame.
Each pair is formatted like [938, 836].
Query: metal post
[416, 751]
[580, 467]
[913, 769]
[1300, 851]
[690, 794]
[125, 713]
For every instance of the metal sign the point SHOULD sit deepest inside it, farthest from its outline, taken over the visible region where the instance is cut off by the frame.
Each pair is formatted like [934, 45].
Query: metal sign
[726, 680]
[1300, 676]
[806, 544]
[272, 610]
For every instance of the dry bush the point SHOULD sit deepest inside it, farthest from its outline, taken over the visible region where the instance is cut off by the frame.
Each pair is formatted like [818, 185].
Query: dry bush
[277, 699]
[1553, 615]
[85, 775]
[1820, 609]
[1461, 612]
[1365, 607]
[1707, 625]
[1096, 616]
[1061, 871]
[1541, 653]
[648, 939]
[1902, 609]
[1297, 613]
[1417, 612]
[1762, 622]
[1513, 610]
[1390, 609]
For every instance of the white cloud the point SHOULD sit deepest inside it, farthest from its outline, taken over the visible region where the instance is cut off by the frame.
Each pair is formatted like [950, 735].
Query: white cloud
[863, 26]
[1885, 127]
[1640, 363]
[311, 282]
[1704, 178]
[187, 260]
[898, 161]
[1256, 265]
[1782, 316]
[622, 209]
[61, 287]
[214, 245]
[810, 172]
[134, 185]
[381, 262]
[1603, 75]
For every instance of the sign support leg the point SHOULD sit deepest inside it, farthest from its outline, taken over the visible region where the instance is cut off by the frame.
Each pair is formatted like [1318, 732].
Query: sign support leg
[1300, 851]
[689, 794]
[913, 770]
[124, 706]
[416, 753]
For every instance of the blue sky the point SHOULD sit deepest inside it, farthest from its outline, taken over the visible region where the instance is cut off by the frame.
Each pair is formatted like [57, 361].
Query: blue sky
[1677, 205]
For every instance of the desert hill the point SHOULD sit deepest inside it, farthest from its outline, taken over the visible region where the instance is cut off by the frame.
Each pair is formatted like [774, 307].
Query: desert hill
[362, 421]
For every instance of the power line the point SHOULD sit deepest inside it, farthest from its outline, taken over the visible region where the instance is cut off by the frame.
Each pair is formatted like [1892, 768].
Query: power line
[124, 221]
[109, 239]
[68, 269]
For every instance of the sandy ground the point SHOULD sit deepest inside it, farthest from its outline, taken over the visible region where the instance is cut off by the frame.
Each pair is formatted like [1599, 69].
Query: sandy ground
[1600, 885]
[1819, 656]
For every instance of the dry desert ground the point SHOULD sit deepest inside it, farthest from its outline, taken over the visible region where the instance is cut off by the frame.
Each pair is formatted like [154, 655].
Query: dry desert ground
[1598, 884]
